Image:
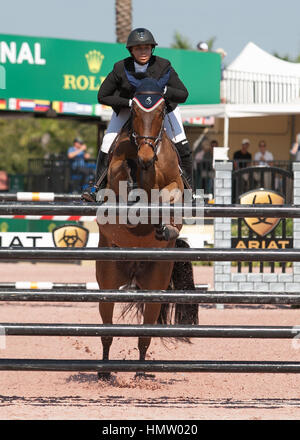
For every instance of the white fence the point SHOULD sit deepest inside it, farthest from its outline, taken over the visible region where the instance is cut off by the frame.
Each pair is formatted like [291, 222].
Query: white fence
[259, 88]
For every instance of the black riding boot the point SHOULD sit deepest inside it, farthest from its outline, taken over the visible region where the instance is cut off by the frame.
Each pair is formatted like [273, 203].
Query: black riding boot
[186, 158]
[101, 171]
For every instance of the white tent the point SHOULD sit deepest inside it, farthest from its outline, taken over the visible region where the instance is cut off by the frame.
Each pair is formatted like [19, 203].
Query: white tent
[253, 59]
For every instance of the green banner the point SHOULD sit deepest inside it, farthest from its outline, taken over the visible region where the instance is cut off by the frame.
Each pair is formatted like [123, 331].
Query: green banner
[68, 71]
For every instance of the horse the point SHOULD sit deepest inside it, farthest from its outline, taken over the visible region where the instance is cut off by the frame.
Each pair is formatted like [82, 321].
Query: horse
[143, 156]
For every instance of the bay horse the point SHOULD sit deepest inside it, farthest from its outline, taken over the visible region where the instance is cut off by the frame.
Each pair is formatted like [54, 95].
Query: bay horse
[143, 156]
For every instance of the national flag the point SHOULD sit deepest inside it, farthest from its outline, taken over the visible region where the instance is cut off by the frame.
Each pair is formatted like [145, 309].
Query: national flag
[57, 106]
[25, 104]
[41, 105]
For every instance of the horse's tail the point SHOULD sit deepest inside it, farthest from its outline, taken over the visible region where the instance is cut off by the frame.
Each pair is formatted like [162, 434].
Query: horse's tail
[182, 279]
[172, 313]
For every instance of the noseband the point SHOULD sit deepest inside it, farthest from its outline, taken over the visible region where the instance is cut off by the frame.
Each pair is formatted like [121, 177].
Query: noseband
[150, 140]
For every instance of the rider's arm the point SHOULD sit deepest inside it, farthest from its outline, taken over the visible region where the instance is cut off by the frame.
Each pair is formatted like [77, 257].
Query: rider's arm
[107, 92]
[176, 91]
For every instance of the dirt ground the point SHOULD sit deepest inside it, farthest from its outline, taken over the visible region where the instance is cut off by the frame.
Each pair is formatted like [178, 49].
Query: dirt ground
[179, 396]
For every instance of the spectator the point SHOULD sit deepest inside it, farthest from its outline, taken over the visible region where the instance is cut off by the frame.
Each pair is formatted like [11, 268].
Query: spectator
[208, 172]
[202, 46]
[3, 181]
[242, 157]
[204, 163]
[295, 150]
[77, 154]
[263, 156]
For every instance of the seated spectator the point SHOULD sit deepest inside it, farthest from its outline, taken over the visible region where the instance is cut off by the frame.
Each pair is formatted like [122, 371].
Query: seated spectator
[77, 154]
[242, 157]
[263, 156]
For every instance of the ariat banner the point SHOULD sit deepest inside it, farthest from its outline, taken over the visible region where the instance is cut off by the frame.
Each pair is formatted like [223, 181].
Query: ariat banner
[70, 236]
[261, 225]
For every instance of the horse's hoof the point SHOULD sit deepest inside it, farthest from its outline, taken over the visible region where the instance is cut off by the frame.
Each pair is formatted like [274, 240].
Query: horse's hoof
[104, 376]
[142, 375]
[166, 233]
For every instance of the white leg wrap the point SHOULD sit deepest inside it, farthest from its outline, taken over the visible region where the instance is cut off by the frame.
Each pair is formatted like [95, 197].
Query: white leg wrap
[113, 129]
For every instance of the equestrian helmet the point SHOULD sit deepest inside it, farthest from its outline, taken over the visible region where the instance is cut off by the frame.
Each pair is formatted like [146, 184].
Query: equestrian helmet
[140, 36]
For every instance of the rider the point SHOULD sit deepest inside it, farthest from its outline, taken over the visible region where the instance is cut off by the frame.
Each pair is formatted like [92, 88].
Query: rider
[117, 92]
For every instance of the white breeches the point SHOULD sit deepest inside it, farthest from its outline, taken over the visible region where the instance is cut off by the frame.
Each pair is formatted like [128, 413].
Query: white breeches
[173, 125]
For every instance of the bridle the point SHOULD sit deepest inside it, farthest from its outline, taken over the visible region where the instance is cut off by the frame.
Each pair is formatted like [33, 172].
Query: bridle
[153, 141]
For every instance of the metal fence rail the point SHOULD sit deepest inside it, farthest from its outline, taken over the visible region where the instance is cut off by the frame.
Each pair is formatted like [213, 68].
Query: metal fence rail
[161, 331]
[179, 297]
[146, 254]
[91, 209]
[149, 366]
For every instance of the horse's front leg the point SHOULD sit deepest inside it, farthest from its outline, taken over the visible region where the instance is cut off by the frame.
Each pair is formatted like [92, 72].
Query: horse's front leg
[106, 311]
[168, 231]
[151, 314]
[108, 277]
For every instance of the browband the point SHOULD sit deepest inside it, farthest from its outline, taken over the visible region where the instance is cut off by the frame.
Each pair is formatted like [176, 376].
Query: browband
[149, 93]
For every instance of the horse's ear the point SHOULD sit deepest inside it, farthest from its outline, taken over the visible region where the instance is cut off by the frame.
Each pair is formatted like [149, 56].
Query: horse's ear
[164, 79]
[133, 81]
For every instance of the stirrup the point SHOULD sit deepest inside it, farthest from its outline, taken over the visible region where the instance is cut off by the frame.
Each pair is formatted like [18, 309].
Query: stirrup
[89, 195]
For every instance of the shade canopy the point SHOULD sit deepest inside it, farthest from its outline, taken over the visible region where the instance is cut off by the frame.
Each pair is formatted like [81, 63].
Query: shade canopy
[253, 59]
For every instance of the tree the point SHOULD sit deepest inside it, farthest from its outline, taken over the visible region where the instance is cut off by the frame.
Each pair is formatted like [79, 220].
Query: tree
[210, 43]
[123, 20]
[181, 42]
[22, 139]
[287, 57]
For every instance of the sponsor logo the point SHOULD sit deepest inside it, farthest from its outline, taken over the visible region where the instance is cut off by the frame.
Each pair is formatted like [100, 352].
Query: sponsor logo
[94, 60]
[261, 225]
[14, 53]
[70, 236]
